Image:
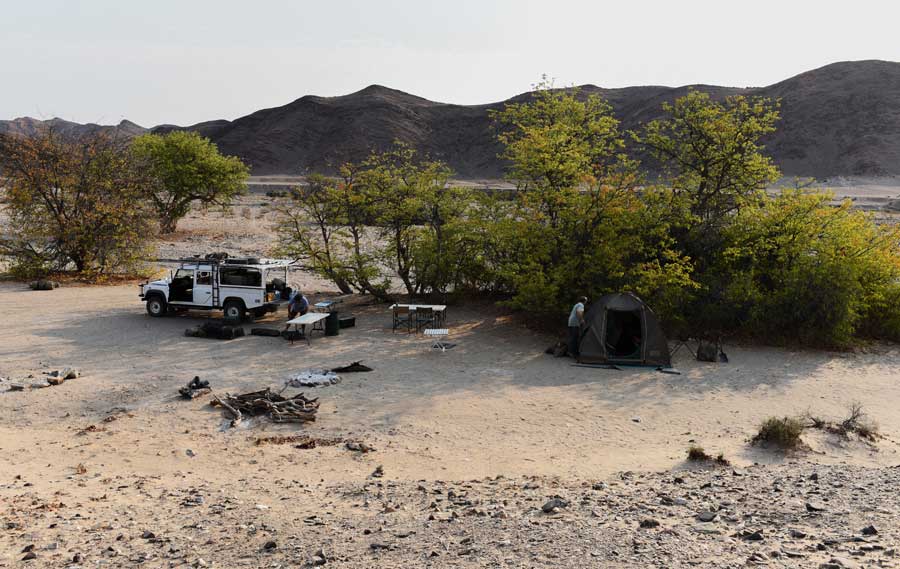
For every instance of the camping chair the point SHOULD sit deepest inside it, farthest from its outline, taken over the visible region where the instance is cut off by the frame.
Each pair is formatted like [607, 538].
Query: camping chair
[424, 317]
[402, 316]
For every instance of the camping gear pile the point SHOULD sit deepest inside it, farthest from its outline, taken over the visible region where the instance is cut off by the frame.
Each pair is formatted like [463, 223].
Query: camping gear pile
[296, 409]
[215, 329]
[195, 388]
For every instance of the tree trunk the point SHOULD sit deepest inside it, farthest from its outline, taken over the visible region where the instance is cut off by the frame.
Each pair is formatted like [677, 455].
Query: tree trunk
[167, 225]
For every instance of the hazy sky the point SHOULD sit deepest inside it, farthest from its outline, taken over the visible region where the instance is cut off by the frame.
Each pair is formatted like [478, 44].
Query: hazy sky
[187, 61]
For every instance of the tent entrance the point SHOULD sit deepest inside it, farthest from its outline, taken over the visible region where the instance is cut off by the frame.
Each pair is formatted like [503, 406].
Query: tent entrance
[624, 334]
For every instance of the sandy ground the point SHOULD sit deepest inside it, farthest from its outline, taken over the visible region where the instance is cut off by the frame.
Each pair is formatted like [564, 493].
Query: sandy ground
[116, 453]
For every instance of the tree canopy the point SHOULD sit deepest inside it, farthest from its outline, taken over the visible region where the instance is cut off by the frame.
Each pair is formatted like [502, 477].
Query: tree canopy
[182, 168]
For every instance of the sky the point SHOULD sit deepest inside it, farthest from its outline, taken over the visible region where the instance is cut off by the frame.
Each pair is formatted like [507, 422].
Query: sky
[187, 61]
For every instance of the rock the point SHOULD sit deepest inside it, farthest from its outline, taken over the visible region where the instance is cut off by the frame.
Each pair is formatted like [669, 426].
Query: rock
[378, 472]
[748, 535]
[55, 380]
[869, 530]
[791, 553]
[797, 534]
[270, 545]
[707, 516]
[71, 373]
[554, 504]
[375, 546]
[636, 419]
[28, 548]
[77, 558]
[814, 476]
[648, 523]
[29, 556]
[148, 535]
[758, 559]
[815, 507]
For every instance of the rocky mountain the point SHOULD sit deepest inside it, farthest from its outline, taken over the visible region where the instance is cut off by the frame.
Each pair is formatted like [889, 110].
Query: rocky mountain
[839, 120]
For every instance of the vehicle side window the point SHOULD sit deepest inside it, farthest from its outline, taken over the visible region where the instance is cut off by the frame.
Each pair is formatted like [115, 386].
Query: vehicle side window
[240, 276]
[204, 278]
[184, 274]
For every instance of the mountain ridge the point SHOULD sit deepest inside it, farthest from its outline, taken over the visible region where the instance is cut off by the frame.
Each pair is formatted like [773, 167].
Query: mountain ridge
[842, 119]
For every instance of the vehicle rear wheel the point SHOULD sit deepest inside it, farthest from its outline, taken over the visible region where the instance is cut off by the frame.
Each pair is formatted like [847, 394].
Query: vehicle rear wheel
[156, 306]
[234, 310]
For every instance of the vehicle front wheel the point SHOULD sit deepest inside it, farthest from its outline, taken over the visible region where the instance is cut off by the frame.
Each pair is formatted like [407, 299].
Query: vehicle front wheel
[156, 306]
[234, 310]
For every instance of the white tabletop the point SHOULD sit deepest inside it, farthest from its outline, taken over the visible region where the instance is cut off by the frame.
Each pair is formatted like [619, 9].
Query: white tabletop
[435, 307]
[309, 318]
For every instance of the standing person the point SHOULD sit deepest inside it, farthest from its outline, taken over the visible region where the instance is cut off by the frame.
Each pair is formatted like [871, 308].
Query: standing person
[576, 321]
[297, 306]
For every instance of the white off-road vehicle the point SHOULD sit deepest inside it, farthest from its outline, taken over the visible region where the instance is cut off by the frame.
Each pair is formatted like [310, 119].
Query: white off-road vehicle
[216, 282]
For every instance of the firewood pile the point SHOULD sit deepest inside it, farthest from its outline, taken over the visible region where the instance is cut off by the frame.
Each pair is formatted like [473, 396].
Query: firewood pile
[296, 409]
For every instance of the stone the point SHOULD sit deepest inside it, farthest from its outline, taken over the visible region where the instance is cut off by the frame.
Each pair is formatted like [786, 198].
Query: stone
[270, 545]
[869, 530]
[148, 535]
[815, 507]
[554, 504]
[814, 476]
[29, 556]
[797, 534]
[707, 516]
[649, 523]
[748, 535]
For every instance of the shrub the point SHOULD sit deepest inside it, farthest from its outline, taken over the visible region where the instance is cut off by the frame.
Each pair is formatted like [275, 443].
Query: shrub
[856, 422]
[696, 453]
[783, 432]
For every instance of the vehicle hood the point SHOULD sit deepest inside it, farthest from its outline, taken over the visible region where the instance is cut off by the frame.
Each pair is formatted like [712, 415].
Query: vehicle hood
[162, 283]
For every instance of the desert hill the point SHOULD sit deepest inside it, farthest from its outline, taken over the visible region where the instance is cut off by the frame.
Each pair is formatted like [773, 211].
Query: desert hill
[839, 120]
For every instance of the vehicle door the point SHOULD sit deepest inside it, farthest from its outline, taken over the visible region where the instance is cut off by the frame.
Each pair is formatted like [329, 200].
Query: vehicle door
[203, 287]
[181, 289]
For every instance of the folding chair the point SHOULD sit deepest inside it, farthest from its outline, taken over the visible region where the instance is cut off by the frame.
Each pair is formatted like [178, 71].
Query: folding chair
[402, 315]
[424, 317]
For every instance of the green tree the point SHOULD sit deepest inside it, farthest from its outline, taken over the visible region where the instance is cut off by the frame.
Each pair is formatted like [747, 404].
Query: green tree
[184, 167]
[577, 209]
[712, 161]
[312, 227]
[72, 203]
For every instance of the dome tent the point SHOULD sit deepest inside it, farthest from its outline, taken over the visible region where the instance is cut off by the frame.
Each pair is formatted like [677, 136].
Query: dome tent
[620, 329]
